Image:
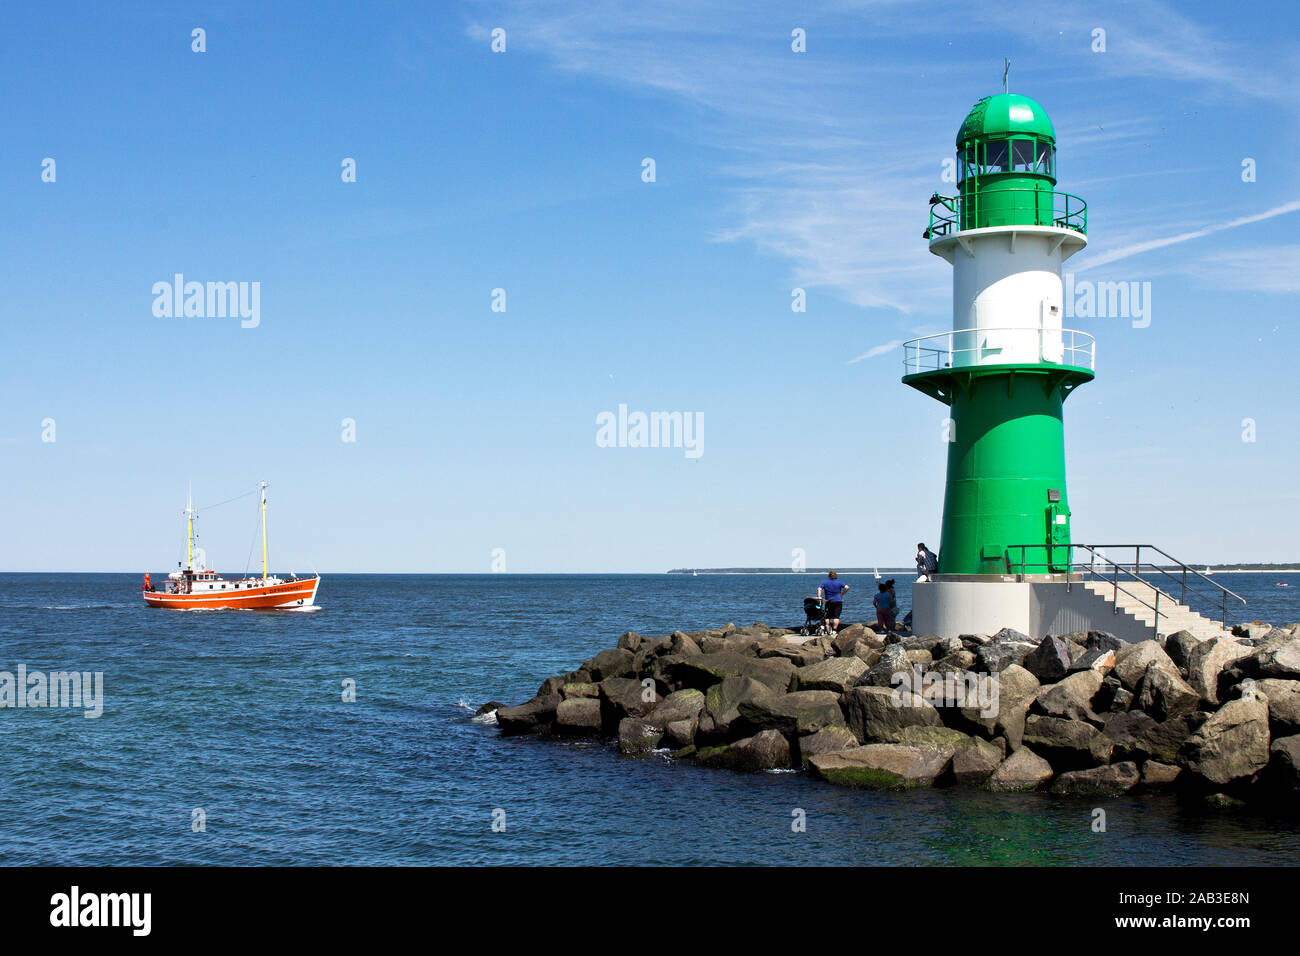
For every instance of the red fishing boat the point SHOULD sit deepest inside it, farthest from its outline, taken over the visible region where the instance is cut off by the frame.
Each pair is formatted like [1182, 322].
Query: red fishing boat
[195, 587]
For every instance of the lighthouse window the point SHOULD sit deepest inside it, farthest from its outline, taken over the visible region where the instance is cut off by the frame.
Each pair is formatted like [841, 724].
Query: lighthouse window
[1045, 156]
[970, 162]
[995, 158]
[1022, 155]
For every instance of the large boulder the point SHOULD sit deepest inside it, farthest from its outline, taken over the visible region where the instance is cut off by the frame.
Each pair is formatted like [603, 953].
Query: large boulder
[1115, 778]
[1132, 661]
[532, 717]
[1284, 765]
[615, 662]
[662, 668]
[877, 713]
[1015, 690]
[722, 704]
[681, 705]
[1112, 698]
[1276, 657]
[1050, 660]
[1006, 648]
[637, 737]
[803, 712]
[1231, 745]
[883, 766]
[681, 733]
[1100, 660]
[1128, 730]
[705, 670]
[1067, 744]
[799, 654]
[1283, 705]
[847, 638]
[955, 663]
[893, 660]
[1254, 631]
[828, 740]
[1071, 698]
[1159, 776]
[1207, 660]
[1179, 647]
[1023, 770]
[683, 644]
[625, 697]
[768, 750]
[679, 715]
[975, 760]
[578, 717]
[922, 736]
[1103, 640]
[836, 674]
[1163, 694]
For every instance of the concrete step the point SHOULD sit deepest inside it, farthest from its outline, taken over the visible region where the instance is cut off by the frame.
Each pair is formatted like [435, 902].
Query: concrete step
[1137, 599]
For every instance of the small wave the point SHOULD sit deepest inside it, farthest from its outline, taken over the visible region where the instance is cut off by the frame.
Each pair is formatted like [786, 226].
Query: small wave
[84, 607]
[781, 770]
[490, 718]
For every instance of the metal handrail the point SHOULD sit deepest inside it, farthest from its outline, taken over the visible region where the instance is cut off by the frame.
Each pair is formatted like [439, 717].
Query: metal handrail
[1099, 552]
[1080, 348]
[952, 214]
[1048, 565]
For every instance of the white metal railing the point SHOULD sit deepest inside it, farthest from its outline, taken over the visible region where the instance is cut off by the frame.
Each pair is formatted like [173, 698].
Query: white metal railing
[965, 347]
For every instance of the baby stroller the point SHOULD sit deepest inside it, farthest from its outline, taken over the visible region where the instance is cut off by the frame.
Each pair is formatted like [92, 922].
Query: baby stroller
[815, 624]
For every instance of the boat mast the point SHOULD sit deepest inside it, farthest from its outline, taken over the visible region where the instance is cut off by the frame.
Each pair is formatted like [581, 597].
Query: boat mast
[189, 530]
[264, 531]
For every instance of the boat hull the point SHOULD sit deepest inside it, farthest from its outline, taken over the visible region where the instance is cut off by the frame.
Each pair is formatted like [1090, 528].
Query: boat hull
[289, 595]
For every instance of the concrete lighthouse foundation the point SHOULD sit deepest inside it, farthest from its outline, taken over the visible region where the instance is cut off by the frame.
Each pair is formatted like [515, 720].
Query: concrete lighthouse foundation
[974, 604]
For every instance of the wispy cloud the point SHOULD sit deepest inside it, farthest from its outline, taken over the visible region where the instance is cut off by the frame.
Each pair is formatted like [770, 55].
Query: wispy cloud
[1274, 269]
[1137, 248]
[877, 350]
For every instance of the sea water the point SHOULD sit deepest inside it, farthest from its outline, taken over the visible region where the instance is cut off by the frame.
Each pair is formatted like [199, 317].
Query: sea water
[227, 737]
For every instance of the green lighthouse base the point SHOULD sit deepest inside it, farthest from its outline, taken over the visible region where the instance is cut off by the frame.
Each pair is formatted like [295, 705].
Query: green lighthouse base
[1006, 466]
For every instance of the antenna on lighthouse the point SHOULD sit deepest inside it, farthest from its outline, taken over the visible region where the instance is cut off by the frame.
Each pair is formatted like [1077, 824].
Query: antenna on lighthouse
[1006, 68]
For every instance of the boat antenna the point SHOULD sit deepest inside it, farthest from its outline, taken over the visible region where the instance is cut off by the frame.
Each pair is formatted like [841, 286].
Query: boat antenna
[1006, 68]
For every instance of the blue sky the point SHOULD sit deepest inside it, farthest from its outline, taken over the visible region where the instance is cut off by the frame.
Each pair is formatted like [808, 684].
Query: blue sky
[522, 170]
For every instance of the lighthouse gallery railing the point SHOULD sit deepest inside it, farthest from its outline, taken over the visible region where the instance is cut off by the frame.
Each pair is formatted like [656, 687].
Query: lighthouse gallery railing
[950, 349]
[1029, 207]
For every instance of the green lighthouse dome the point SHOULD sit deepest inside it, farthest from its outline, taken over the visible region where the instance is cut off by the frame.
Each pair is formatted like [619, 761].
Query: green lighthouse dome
[1003, 116]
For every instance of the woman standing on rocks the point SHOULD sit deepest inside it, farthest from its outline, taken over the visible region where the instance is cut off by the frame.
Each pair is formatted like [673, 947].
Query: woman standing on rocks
[832, 590]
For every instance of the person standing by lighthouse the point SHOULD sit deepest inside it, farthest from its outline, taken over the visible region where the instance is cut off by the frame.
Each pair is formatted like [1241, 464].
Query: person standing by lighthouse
[1005, 369]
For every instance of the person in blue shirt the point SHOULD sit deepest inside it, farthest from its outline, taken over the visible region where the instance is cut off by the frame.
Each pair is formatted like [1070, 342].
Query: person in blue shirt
[832, 591]
[884, 602]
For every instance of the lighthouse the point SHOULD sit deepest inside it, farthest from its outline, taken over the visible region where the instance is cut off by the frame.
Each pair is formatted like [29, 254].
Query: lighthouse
[1004, 372]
